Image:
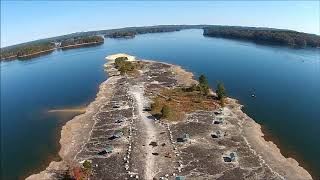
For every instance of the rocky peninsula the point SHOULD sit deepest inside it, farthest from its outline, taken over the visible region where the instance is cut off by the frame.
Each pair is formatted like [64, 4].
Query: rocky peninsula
[122, 134]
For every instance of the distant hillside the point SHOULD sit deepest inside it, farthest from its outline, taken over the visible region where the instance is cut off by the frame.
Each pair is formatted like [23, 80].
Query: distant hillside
[80, 39]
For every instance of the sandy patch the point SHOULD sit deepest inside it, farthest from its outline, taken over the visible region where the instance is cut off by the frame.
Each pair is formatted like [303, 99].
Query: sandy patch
[115, 56]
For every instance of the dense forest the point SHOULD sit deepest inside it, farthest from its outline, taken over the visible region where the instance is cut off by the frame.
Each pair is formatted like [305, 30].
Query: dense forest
[127, 34]
[30, 50]
[81, 41]
[131, 32]
[26, 51]
[260, 35]
[156, 29]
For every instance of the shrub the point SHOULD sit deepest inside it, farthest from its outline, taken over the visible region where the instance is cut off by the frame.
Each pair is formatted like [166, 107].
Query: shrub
[203, 80]
[119, 61]
[123, 65]
[121, 58]
[221, 92]
[204, 89]
[165, 111]
[203, 85]
[87, 165]
[194, 87]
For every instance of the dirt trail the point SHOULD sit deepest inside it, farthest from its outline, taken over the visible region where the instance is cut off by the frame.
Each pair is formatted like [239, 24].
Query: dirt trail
[150, 130]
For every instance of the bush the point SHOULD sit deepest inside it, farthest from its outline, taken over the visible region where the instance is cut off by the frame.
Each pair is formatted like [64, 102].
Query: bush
[221, 92]
[87, 165]
[165, 111]
[123, 65]
[203, 80]
[119, 61]
[203, 85]
[194, 87]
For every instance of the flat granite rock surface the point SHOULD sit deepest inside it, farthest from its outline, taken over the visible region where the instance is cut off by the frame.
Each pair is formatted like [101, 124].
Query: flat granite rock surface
[147, 148]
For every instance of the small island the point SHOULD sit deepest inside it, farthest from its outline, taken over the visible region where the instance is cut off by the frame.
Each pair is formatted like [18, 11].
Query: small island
[152, 120]
[81, 42]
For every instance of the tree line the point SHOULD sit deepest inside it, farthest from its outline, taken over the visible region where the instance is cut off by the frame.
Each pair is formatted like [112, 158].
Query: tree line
[122, 34]
[81, 41]
[29, 50]
[26, 51]
[131, 32]
[260, 35]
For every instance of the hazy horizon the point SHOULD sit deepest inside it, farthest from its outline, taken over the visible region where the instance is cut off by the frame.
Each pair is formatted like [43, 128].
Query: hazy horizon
[24, 21]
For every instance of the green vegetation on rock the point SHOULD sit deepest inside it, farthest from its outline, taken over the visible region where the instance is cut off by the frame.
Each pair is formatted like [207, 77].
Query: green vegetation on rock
[87, 165]
[203, 85]
[123, 65]
[165, 111]
[221, 92]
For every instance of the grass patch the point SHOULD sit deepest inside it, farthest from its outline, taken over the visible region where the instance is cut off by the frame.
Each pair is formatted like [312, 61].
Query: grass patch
[173, 104]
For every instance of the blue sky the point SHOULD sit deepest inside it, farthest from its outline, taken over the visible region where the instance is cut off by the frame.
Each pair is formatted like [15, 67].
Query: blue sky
[23, 21]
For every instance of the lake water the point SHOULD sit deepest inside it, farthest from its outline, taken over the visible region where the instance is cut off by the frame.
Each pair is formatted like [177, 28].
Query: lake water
[286, 83]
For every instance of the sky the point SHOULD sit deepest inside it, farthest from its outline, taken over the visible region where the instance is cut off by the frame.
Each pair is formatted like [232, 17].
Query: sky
[23, 21]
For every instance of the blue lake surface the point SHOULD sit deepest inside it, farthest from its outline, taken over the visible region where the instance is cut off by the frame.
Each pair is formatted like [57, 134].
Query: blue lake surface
[286, 83]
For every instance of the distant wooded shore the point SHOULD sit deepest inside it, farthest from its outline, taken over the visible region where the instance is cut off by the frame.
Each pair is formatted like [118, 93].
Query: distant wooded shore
[280, 37]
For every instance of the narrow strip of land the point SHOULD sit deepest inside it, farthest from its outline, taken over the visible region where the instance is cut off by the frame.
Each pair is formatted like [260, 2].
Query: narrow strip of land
[150, 121]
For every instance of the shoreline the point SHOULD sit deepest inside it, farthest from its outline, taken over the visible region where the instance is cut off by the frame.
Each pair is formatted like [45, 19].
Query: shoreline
[28, 56]
[73, 46]
[69, 146]
[269, 137]
[279, 161]
[72, 139]
[49, 51]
